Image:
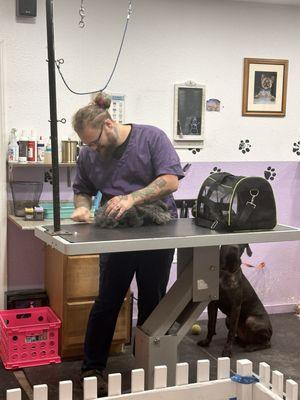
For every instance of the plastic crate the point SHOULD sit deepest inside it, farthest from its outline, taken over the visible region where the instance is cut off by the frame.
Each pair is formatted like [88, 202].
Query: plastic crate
[29, 337]
[66, 210]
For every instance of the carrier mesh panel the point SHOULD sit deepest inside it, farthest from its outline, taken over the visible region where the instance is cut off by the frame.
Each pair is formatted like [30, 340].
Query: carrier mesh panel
[220, 195]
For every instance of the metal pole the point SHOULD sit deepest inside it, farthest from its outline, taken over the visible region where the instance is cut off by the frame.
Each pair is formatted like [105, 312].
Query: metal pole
[53, 113]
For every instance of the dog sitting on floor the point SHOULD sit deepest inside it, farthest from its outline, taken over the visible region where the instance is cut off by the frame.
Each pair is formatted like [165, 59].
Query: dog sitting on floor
[144, 214]
[246, 318]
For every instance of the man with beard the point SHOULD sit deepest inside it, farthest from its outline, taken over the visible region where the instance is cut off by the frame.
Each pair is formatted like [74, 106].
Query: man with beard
[129, 164]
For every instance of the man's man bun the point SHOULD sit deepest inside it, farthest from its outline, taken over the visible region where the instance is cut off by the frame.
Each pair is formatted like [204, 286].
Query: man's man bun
[103, 101]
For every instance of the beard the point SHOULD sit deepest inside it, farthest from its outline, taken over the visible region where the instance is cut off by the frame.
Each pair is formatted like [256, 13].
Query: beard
[106, 153]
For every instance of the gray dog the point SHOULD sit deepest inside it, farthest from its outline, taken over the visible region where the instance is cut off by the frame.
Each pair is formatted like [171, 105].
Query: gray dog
[144, 214]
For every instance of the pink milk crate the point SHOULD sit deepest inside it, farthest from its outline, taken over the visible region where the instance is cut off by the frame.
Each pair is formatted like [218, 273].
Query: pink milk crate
[29, 337]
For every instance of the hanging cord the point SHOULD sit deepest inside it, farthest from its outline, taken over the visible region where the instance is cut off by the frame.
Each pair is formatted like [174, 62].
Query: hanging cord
[82, 15]
[61, 61]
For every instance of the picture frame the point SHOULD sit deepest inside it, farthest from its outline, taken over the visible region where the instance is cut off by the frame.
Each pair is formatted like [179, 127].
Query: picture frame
[189, 111]
[265, 87]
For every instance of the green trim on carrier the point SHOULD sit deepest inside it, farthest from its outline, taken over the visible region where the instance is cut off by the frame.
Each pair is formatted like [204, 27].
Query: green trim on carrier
[231, 199]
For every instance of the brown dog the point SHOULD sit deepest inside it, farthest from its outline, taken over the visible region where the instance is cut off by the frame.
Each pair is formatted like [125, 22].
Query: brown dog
[247, 320]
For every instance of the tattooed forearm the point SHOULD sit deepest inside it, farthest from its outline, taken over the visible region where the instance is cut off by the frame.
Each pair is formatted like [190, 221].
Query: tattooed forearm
[159, 188]
[82, 200]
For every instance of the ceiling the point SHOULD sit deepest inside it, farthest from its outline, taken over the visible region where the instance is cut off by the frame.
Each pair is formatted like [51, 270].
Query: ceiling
[283, 2]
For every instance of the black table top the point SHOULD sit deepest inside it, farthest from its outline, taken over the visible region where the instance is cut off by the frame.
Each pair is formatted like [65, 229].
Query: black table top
[87, 238]
[185, 227]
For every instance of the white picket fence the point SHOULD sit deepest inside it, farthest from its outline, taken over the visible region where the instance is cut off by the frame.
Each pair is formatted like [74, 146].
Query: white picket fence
[220, 389]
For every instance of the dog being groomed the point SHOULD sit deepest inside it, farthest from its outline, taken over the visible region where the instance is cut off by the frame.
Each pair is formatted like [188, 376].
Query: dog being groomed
[246, 318]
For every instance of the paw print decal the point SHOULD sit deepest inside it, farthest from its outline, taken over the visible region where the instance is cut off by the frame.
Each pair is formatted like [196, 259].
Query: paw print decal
[194, 151]
[296, 148]
[245, 146]
[215, 169]
[270, 174]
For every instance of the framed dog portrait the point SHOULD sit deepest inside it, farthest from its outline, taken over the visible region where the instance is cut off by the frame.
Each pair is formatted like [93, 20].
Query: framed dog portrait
[264, 87]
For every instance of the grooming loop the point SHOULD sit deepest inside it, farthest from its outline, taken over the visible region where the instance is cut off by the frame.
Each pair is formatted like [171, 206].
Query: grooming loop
[222, 388]
[59, 62]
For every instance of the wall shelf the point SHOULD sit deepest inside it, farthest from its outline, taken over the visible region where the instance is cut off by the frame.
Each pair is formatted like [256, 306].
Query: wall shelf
[12, 165]
[31, 225]
[22, 165]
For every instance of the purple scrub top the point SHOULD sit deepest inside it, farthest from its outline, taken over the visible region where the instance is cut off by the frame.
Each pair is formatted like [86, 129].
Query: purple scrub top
[149, 154]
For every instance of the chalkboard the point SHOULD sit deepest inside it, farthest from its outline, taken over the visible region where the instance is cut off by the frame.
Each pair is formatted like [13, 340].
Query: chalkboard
[189, 112]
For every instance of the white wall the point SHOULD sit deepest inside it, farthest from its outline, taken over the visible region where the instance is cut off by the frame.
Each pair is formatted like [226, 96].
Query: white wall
[3, 146]
[168, 41]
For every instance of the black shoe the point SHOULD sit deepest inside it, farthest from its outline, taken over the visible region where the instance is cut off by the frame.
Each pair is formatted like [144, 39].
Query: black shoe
[101, 381]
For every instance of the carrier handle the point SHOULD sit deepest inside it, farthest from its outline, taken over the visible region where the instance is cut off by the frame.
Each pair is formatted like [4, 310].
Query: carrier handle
[220, 176]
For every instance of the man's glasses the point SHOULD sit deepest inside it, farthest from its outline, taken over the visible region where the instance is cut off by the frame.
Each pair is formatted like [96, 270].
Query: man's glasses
[95, 142]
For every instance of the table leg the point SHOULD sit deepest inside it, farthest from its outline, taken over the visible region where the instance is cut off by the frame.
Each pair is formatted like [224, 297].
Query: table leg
[197, 284]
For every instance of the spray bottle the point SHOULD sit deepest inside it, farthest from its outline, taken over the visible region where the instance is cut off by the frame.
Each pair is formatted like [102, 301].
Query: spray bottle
[31, 148]
[23, 148]
[40, 150]
[48, 153]
[13, 147]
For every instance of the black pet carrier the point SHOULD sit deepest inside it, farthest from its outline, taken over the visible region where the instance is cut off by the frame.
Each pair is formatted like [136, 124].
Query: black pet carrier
[234, 203]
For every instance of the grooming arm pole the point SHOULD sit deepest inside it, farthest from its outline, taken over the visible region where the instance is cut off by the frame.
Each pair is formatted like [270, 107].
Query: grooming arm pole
[53, 114]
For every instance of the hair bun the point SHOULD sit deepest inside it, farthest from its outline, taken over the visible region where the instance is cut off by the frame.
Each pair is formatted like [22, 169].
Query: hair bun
[102, 100]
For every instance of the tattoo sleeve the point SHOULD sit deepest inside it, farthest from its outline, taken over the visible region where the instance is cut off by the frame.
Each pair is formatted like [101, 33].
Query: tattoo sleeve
[82, 200]
[155, 190]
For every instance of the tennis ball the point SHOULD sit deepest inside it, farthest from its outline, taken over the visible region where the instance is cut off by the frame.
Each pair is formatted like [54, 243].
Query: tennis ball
[196, 329]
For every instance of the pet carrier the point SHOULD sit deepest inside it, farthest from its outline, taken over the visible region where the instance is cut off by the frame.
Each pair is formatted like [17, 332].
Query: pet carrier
[234, 203]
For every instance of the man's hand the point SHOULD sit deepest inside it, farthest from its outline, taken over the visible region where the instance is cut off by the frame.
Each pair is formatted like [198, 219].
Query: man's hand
[159, 188]
[118, 205]
[81, 214]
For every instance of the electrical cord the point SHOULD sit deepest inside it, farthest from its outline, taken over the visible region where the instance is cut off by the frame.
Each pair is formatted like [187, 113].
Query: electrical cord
[61, 61]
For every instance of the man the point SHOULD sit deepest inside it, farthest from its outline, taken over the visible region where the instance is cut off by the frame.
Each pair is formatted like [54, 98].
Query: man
[130, 165]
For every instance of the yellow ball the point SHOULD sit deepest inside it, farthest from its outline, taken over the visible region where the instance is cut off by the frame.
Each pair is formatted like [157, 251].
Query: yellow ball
[196, 329]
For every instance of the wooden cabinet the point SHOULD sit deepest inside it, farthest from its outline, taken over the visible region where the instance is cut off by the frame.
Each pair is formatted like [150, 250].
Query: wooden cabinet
[72, 285]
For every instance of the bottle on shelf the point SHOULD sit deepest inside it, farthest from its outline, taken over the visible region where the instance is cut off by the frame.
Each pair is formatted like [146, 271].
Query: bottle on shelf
[23, 147]
[31, 148]
[13, 147]
[48, 153]
[40, 150]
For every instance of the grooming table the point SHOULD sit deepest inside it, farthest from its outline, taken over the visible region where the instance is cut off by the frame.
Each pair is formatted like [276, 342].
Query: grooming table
[197, 269]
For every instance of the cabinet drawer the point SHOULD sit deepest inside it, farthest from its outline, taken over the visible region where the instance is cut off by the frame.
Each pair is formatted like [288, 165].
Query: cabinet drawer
[76, 318]
[75, 322]
[82, 276]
